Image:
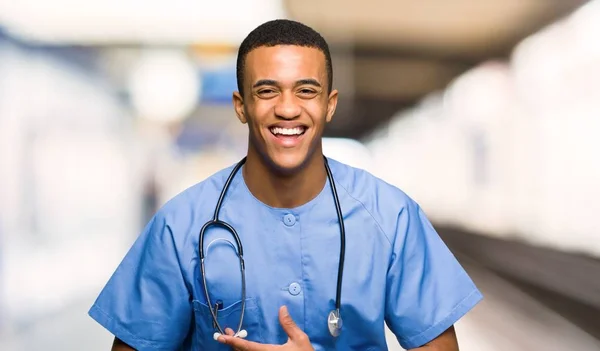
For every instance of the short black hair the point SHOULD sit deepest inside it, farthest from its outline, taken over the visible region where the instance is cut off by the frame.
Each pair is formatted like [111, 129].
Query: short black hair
[282, 32]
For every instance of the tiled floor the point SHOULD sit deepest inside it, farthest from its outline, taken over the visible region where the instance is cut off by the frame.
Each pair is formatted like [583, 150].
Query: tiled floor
[508, 319]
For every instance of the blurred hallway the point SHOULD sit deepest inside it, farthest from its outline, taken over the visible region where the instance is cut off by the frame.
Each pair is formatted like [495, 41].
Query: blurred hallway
[510, 319]
[484, 112]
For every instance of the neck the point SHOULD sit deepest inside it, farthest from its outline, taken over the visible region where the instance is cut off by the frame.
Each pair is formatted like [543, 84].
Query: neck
[281, 190]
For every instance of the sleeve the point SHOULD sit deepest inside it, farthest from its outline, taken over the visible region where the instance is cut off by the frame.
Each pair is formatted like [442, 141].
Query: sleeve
[427, 289]
[146, 302]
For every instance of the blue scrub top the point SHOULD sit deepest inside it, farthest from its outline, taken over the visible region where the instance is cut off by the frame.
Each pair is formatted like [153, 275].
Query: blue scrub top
[397, 270]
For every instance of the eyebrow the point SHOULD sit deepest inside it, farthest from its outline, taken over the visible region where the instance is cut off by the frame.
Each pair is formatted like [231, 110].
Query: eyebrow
[264, 82]
[306, 81]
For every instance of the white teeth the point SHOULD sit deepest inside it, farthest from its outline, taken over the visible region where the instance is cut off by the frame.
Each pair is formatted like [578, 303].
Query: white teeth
[287, 131]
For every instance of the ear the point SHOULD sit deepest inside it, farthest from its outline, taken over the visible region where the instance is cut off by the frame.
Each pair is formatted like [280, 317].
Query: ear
[331, 104]
[238, 105]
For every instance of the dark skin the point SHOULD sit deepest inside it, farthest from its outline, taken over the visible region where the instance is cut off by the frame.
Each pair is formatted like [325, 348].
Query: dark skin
[286, 86]
[282, 86]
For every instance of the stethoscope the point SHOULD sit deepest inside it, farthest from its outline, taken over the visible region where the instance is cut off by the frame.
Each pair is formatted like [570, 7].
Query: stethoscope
[334, 319]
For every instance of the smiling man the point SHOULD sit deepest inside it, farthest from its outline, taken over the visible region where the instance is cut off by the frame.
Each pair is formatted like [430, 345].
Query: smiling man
[319, 242]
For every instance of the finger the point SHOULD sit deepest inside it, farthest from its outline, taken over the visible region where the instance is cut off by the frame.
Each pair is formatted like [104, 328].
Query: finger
[289, 326]
[241, 344]
[230, 332]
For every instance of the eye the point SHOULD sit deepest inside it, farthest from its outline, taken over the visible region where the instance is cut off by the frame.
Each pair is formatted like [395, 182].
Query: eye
[307, 92]
[267, 93]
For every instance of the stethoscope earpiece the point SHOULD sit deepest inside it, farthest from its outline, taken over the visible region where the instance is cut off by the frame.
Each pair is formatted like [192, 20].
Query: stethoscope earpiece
[242, 334]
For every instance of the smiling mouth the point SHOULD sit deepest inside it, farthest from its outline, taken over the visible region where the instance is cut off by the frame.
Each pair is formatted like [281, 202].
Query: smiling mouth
[287, 132]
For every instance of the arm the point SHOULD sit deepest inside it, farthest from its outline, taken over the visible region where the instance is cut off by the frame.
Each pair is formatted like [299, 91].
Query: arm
[445, 342]
[146, 303]
[119, 345]
[427, 289]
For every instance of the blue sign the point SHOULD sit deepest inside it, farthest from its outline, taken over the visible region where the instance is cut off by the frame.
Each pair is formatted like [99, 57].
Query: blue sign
[218, 85]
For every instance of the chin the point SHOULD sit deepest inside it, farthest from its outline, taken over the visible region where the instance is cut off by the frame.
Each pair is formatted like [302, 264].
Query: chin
[288, 164]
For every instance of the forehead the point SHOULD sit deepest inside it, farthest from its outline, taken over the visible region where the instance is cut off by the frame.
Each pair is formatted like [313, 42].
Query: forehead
[285, 63]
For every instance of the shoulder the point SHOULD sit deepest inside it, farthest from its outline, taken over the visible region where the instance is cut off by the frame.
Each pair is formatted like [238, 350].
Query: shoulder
[195, 201]
[383, 201]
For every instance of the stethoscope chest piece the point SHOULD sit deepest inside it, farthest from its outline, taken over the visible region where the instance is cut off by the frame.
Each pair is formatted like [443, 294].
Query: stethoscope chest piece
[334, 323]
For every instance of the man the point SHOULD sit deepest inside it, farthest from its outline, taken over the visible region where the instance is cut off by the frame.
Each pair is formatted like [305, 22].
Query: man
[396, 269]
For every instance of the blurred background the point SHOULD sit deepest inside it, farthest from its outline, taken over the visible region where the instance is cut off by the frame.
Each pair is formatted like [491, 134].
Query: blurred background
[486, 112]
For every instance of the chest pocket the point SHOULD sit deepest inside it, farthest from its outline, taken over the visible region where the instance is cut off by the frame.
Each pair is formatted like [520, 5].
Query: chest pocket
[228, 317]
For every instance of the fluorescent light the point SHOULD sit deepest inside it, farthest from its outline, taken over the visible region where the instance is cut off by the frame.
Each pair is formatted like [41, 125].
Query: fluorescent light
[145, 21]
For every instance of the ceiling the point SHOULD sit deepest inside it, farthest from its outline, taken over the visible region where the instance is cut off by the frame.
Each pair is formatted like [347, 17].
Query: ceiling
[387, 54]
[135, 22]
[394, 52]
[468, 29]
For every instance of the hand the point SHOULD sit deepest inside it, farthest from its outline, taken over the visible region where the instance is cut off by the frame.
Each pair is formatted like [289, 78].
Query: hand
[297, 339]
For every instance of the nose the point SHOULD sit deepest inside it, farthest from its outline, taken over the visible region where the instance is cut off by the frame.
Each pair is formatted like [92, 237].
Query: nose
[287, 107]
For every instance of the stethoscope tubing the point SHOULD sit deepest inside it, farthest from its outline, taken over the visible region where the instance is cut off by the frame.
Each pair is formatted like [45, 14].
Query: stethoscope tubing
[338, 294]
[218, 223]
